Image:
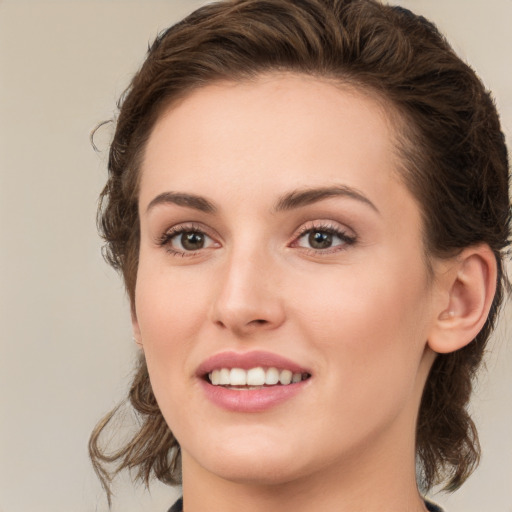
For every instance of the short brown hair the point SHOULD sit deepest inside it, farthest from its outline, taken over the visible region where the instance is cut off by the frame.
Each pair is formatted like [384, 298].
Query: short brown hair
[454, 162]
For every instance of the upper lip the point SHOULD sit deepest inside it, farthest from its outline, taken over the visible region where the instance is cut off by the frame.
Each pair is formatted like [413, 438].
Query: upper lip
[248, 360]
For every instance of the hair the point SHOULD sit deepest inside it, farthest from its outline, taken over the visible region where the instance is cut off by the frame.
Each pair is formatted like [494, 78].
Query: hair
[454, 162]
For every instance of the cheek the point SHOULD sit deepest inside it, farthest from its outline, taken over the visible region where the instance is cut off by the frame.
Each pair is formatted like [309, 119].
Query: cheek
[363, 299]
[167, 325]
[168, 304]
[369, 341]
[170, 313]
[369, 327]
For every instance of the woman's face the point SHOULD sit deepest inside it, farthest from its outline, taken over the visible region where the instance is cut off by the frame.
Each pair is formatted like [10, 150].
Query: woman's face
[278, 243]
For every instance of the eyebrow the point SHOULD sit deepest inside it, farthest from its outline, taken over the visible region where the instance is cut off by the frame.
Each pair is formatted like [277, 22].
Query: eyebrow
[290, 201]
[182, 199]
[299, 198]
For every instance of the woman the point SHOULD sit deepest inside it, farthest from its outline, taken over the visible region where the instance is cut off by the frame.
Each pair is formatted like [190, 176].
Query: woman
[308, 202]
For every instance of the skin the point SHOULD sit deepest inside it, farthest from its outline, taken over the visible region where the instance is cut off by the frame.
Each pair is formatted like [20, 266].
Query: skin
[358, 314]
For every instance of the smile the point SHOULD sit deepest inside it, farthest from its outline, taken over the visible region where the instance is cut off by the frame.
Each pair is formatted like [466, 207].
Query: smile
[251, 382]
[254, 378]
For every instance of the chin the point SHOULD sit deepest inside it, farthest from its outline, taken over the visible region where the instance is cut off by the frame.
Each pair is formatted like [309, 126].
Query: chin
[260, 472]
[245, 461]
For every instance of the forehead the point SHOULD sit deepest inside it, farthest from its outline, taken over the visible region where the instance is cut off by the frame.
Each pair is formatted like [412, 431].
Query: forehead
[278, 131]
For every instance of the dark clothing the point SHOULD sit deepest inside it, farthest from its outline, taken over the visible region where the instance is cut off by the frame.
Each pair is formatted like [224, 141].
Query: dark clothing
[178, 507]
[432, 507]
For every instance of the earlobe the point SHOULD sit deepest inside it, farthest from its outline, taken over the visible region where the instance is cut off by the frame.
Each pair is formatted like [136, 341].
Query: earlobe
[470, 286]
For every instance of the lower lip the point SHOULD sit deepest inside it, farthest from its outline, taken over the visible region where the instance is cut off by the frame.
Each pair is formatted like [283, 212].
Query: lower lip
[251, 400]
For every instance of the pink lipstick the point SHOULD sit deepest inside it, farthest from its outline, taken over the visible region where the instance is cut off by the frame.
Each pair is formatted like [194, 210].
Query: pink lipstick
[251, 381]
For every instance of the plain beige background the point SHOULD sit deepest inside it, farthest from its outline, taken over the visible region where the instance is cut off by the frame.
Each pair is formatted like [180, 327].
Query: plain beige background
[66, 348]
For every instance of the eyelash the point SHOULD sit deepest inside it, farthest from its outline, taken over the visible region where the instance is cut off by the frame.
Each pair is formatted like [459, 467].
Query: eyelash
[167, 237]
[329, 229]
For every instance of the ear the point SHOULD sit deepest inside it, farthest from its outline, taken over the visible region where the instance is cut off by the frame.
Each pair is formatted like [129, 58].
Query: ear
[137, 337]
[467, 292]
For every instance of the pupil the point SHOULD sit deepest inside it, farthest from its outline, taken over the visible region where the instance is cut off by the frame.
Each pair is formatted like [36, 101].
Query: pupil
[192, 241]
[320, 240]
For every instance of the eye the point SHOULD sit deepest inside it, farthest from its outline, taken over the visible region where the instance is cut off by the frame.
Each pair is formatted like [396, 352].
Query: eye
[323, 238]
[185, 241]
[190, 241]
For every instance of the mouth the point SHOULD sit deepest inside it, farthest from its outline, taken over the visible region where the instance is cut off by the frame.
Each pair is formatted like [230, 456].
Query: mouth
[254, 378]
[253, 381]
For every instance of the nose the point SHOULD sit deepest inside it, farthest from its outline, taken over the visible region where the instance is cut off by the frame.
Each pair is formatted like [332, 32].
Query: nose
[248, 298]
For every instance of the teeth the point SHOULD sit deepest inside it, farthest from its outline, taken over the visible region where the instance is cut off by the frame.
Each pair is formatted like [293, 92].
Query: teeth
[237, 377]
[285, 377]
[272, 376]
[215, 377]
[224, 377]
[297, 377]
[254, 377]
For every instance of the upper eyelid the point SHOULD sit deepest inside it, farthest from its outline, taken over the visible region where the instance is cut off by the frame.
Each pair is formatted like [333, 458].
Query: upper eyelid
[320, 227]
[187, 226]
[325, 225]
